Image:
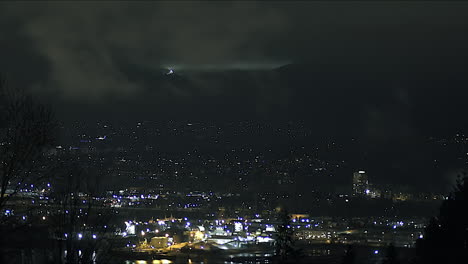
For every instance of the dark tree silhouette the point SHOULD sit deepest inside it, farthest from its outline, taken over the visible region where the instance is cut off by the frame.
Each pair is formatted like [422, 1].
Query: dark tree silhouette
[391, 257]
[26, 128]
[284, 238]
[349, 255]
[446, 236]
[81, 225]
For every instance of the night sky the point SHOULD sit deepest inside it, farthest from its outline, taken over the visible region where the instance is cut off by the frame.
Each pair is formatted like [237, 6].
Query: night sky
[390, 74]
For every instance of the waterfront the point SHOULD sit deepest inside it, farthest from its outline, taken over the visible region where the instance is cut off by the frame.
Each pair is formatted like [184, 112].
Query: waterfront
[310, 254]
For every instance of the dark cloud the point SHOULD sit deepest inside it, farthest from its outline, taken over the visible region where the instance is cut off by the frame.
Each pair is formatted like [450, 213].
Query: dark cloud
[113, 52]
[80, 41]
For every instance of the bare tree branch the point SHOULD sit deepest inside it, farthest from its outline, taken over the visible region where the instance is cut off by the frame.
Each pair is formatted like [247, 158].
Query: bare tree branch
[26, 129]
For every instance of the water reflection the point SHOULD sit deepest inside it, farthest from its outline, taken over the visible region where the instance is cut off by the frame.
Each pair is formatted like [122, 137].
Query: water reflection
[250, 255]
[320, 254]
[155, 261]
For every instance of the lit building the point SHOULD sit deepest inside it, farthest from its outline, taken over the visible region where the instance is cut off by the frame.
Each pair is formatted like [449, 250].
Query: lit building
[130, 228]
[159, 242]
[360, 183]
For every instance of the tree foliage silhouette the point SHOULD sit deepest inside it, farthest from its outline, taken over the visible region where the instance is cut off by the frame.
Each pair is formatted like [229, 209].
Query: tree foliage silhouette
[446, 236]
[392, 256]
[350, 255]
[284, 239]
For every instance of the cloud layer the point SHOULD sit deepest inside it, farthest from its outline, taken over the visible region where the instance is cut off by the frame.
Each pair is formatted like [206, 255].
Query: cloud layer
[82, 46]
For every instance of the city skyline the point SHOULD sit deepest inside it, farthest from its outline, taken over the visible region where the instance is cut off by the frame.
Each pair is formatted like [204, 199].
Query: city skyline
[205, 132]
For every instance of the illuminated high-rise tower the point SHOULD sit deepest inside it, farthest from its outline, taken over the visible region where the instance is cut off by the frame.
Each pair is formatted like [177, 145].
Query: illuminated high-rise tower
[360, 183]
